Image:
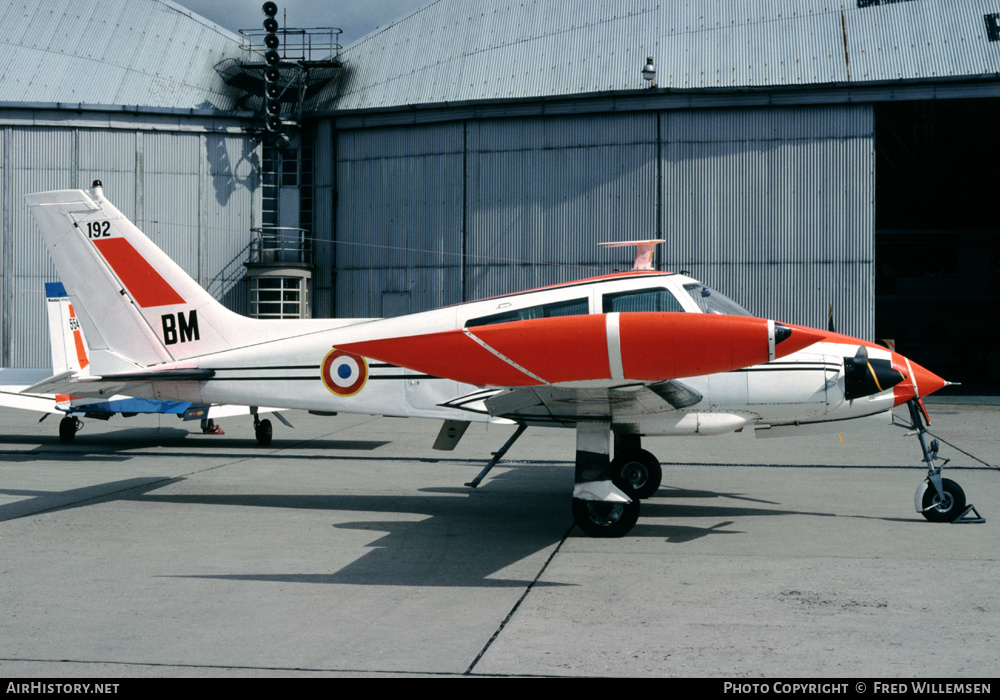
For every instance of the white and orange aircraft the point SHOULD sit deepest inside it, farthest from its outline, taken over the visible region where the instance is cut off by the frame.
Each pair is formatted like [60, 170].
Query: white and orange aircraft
[627, 354]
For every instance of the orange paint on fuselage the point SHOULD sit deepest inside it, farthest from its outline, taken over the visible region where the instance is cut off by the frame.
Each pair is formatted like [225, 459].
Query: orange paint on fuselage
[654, 346]
[669, 345]
[560, 349]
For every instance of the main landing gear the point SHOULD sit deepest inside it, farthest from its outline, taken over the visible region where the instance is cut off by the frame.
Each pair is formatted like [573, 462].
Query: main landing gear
[262, 430]
[634, 470]
[69, 426]
[938, 499]
[607, 492]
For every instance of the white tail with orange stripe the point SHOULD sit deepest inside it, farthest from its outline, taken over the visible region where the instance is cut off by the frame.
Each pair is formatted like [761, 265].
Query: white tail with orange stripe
[150, 310]
[69, 346]
[67, 342]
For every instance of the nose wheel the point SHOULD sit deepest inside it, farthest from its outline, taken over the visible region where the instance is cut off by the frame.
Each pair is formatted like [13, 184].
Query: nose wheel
[944, 507]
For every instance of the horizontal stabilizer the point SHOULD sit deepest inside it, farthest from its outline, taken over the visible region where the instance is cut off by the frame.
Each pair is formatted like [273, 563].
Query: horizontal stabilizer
[71, 383]
[55, 384]
[27, 402]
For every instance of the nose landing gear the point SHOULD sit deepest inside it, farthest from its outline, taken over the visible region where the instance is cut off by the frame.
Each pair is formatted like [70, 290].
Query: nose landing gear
[938, 499]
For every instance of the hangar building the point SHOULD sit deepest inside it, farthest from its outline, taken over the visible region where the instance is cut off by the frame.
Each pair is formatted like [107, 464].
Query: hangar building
[799, 155]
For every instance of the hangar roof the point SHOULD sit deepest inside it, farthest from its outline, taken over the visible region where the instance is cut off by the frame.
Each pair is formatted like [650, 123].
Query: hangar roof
[151, 53]
[468, 50]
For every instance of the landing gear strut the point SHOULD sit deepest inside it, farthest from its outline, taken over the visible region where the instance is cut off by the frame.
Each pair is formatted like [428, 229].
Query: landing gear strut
[938, 499]
[600, 507]
[606, 493]
[68, 428]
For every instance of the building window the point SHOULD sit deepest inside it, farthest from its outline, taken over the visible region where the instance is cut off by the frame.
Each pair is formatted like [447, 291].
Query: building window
[278, 297]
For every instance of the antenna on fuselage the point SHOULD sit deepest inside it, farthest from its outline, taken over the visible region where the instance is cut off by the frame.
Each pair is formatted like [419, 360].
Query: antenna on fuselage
[643, 252]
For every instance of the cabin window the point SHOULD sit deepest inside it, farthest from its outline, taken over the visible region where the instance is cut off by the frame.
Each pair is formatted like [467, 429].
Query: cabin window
[658, 299]
[713, 302]
[574, 307]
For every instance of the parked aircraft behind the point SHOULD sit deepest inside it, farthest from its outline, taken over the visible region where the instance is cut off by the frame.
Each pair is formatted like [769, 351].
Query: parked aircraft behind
[70, 358]
[627, 354]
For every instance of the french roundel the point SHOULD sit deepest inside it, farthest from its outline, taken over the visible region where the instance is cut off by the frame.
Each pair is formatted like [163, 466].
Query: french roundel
[344, 373]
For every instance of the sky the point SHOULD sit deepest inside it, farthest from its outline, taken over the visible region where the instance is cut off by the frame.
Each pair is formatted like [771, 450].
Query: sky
[356, 17]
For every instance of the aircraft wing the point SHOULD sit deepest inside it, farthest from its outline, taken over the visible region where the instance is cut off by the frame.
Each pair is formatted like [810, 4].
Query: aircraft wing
[14, 383]
[564, 405]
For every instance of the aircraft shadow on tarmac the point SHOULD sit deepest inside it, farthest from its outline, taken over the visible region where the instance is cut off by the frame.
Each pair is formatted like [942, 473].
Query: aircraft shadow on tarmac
[108, 445]
[471, 538]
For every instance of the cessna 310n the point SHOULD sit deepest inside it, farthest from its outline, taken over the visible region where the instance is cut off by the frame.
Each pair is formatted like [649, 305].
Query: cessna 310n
[626, 354]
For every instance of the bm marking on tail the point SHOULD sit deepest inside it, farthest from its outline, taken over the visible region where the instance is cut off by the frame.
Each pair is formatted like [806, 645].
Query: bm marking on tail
[178, 328]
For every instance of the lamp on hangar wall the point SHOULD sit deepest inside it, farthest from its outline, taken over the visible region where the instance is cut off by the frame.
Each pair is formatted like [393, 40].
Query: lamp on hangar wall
[649, 72]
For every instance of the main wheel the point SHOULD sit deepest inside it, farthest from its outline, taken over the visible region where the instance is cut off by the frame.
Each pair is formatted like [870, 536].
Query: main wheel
[263, 432]
[67, 428]
[637, 473]
[947, 509]
[602, 519]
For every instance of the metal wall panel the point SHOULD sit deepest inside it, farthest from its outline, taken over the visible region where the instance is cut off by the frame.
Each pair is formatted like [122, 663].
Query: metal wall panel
[468, 210]
[36, 162]
[543, 192]
[6, 247]
[172, 196]
[230, 178]
[399, 217]
[323, 224]
[112, 158]
[775, 207]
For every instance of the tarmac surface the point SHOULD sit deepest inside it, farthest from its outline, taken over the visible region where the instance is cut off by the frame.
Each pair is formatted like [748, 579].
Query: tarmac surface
[348, 547]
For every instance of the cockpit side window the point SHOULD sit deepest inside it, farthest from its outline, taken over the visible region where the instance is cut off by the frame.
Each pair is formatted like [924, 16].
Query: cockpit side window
[657, 299]
[573, 307]
[713, 302]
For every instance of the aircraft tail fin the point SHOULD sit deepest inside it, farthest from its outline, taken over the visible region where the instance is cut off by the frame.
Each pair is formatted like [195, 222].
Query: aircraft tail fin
[137, 306]
[68, 345]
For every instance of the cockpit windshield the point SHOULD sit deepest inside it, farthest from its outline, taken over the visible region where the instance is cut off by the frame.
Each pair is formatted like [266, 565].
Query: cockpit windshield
[713, 302]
